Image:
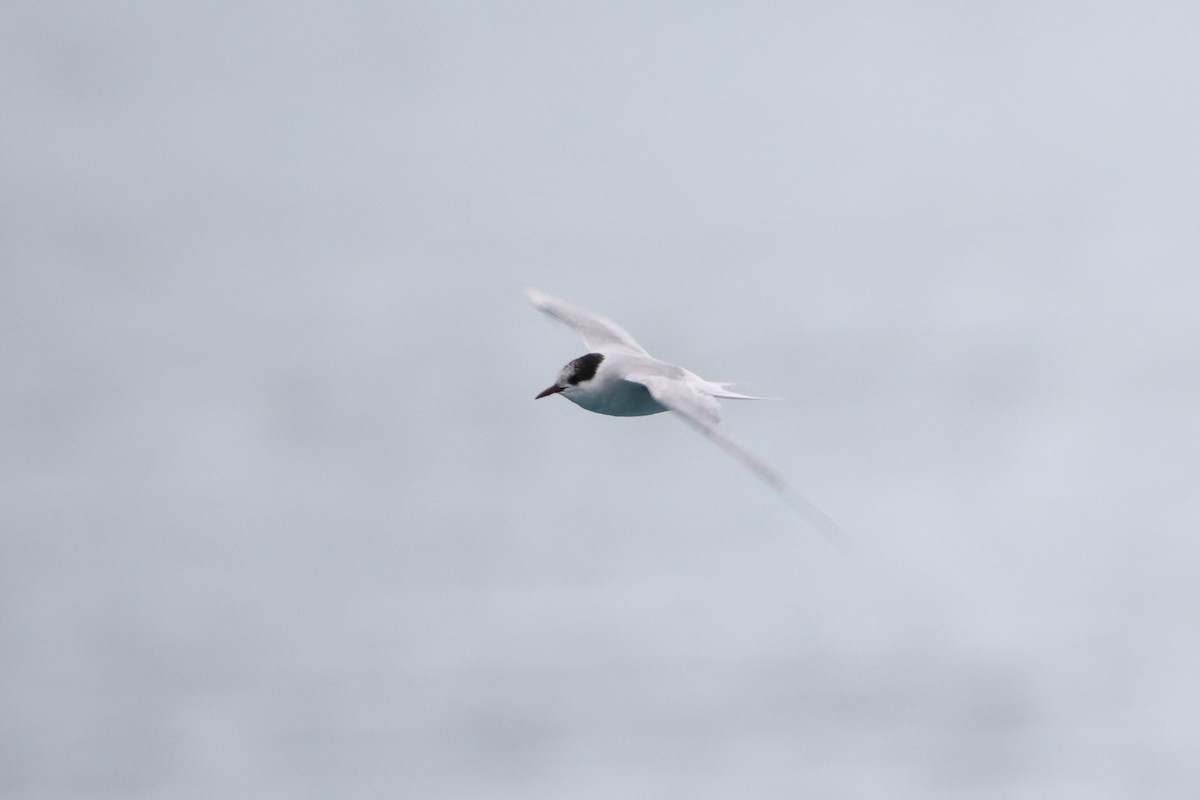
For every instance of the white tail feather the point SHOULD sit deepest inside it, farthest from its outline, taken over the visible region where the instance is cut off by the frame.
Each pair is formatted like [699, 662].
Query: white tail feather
[719, 389]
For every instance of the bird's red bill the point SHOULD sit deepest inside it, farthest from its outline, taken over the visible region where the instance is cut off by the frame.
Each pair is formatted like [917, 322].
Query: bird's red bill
[550, 391]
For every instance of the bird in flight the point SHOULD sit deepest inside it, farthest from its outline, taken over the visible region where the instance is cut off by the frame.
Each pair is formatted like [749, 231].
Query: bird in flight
[618, 377]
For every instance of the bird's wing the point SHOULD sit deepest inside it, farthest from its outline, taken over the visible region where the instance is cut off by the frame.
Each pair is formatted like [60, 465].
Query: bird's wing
[700, 410]
[597, 332]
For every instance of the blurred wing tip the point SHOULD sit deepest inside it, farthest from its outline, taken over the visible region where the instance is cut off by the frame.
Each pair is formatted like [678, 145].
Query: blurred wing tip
[820, 522]
[840, 540]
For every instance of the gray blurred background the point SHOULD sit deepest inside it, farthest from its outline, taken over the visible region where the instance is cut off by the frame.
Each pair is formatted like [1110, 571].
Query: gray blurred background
[281, 518]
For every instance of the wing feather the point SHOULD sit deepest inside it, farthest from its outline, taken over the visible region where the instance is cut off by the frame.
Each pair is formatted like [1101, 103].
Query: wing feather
[701, 411]
[597, 332]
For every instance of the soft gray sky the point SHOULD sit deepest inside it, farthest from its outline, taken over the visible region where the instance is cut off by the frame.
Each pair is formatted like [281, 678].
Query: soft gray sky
[281, 518]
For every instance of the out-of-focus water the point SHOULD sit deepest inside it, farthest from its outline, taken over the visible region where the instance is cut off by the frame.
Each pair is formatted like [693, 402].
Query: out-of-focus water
[280, 517]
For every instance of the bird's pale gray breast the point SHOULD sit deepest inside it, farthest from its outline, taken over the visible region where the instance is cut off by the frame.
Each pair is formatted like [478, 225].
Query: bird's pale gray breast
[619, 399]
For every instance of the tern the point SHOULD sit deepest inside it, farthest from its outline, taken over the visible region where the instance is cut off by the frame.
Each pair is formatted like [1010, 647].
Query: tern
[619, 378]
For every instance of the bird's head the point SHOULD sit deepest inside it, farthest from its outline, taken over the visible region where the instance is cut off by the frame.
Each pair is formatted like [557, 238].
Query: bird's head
[574, 375]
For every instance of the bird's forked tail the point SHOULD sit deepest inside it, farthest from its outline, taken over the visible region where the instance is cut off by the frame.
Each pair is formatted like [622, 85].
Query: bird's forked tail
[721, 389]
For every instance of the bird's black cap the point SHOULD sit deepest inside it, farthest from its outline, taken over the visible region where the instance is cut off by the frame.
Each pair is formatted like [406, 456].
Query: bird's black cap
[583, 368]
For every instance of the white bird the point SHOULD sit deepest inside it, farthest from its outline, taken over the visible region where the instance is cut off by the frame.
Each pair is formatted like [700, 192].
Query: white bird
[618, 377]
